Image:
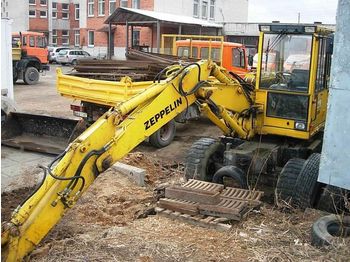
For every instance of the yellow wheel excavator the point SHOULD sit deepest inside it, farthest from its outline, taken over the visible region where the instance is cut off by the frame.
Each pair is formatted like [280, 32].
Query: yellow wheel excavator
[272, 118]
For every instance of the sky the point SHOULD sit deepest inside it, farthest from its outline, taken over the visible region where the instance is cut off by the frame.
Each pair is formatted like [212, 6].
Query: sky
[287, 11]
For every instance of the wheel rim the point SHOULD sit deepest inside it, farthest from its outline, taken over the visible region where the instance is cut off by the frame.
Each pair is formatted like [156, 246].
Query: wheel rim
[165, 132]
[32, 75]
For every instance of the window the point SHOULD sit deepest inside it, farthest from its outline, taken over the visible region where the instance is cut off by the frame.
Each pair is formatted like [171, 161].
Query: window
[54, 14]
[204, 9]
[184, 51]
[76, 37]
[91, 40]
[43, 2]
[91, 8]
[54, 37]
[31, 41]
[212, 9]
[112, 6]
[136, 4]
[54, 5]
[135, 38]
[238, 57]
[65, 41]
[65, 33]
[65, 7]
[123, 3]
[195, 7]
[65, 15]
[77, 12]
[41, 41]
[32, 13]
[31, 2]
[101, 7]
[324, 63]
[43, 14]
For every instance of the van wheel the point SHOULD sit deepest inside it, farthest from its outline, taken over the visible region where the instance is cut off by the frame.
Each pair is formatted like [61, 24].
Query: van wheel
[163, 136]
[31, 76]
[74, 62]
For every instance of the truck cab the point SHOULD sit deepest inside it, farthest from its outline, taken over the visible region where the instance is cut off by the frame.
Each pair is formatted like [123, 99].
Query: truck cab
[232, 56]
[30, 56]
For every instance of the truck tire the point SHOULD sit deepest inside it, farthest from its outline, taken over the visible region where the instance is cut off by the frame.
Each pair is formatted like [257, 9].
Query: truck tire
[31, 76]
[332, 199]
[200, 162]
[306, 187]
[235, 174]
[327, 228]
[163, 136]
[286, 180]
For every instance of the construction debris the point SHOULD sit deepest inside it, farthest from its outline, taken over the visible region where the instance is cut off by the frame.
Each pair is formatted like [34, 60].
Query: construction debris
[208, 204]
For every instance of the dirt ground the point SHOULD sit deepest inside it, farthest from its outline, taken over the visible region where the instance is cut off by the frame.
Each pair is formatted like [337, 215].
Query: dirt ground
[115, 220]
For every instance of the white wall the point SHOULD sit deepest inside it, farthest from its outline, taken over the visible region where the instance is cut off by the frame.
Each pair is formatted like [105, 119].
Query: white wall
[17, 11]
[6, 58]
[225, 10]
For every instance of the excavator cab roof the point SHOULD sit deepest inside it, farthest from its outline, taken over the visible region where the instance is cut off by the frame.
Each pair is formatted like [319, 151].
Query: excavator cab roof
[295, 28]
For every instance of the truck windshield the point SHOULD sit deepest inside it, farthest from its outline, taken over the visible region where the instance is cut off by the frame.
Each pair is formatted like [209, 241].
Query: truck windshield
[285, 62]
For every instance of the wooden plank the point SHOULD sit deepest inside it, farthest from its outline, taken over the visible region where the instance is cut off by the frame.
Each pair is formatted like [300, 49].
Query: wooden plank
[174, 205]
[192, 195]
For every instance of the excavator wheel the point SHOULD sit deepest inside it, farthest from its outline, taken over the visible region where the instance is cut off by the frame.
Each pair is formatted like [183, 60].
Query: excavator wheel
[164, 136]
[286, 181]
[201, 160]
[306, 187]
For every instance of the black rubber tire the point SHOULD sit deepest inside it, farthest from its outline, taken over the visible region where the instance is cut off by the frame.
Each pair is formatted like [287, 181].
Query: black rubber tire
[328, 228]
[74, 62]
[31, 76]
[286, 180]
[232, 172]
[14, 80]
[201, 158]
[159, 139]
[306, 187]
[332, 199]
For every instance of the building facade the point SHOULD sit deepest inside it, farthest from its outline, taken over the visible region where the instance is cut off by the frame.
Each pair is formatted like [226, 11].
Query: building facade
[80, 23]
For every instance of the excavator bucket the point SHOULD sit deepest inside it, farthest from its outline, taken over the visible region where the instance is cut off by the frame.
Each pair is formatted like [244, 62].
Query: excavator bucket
[39, 133]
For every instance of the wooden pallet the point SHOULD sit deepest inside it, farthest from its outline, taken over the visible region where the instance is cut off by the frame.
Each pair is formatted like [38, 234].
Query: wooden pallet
[208, 204]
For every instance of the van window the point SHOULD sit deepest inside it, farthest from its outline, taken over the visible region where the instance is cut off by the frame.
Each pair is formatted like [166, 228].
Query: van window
[63, 52]
[238, 57]
[184, 51]
[31, 41]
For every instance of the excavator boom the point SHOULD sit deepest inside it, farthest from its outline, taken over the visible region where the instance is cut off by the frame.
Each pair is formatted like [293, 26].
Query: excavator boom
[109, 139]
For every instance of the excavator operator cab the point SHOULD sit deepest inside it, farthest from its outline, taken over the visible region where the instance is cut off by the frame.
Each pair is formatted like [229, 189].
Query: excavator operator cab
[293, 77]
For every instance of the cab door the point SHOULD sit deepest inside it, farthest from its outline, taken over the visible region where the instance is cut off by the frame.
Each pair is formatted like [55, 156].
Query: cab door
[320, 97]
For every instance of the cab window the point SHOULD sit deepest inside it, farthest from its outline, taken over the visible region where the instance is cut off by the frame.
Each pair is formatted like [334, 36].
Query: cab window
[238, 58]
[32, 41]
[41, 42]
[215, 53]
[16, 41]
[324, 63]
[184, 51]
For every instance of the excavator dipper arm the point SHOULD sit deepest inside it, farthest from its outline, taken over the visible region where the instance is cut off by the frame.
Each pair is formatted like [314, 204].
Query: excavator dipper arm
[109, 139]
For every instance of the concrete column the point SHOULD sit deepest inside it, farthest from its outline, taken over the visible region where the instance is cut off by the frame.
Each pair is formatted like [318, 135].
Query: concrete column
[49, 17]
[334, 166]
[127, 37]
[158, 37]
[110, 41]
[180, 29]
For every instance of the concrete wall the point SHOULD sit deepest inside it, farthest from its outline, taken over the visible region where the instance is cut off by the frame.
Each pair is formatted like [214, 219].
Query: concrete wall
[178, 7]
[334, 167]
[18, 12]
